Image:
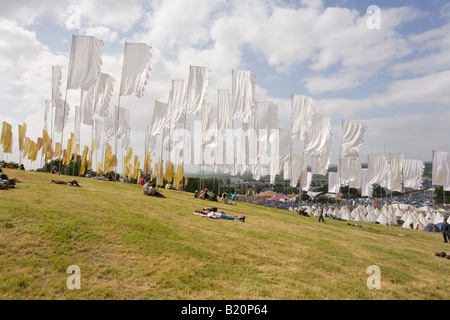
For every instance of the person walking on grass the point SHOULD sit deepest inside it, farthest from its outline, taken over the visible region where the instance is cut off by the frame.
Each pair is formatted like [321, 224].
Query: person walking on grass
[445, 230]
[321, 214]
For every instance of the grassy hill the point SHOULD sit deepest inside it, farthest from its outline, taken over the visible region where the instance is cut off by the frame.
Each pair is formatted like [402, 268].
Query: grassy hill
[130, 246]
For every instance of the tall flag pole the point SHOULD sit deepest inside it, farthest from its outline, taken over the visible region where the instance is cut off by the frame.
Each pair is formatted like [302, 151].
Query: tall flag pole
[84, 67]
[136, 66]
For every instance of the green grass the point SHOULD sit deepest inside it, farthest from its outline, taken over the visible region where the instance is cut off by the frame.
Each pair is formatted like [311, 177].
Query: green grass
[129, 246]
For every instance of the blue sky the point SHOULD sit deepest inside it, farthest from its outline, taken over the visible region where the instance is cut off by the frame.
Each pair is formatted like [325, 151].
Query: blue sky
[396, 79]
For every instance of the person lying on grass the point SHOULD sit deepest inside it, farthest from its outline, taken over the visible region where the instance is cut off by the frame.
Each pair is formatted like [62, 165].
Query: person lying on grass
[213, 214]
[73, 182]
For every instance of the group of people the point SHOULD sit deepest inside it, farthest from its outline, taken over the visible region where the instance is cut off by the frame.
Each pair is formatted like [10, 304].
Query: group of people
[205, 194]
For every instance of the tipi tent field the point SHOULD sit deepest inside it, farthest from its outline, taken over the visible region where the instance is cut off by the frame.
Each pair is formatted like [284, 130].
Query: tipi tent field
[130, 246]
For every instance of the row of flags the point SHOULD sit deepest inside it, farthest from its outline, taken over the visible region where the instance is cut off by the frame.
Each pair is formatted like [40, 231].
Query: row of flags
[261, 145]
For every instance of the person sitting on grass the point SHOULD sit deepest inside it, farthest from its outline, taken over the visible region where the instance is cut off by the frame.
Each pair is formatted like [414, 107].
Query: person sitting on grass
[151, 190]
[72, 183]
[213, 214]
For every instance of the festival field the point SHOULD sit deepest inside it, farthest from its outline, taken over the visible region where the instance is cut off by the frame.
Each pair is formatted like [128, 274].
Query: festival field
[131, 246]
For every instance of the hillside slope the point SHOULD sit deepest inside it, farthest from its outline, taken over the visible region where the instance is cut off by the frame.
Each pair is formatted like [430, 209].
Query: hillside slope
[130, 246]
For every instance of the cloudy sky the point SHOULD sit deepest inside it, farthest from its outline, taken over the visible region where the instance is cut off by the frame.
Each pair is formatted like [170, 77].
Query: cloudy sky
[385, 63]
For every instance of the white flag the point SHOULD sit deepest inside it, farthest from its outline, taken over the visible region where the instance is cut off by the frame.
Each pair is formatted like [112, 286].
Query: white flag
[136, 68]
[378, 166]
[223, 110]
[243, 91]
[56, 83]
[85, 62]
[158, 118]
[352, 138]
[302, 113]
[197, 89]
[333, 182]
[441, 168]
[317, 142]
[413, 173]
[61, 117]
[396, 171]
[102, 94]
[176, 106]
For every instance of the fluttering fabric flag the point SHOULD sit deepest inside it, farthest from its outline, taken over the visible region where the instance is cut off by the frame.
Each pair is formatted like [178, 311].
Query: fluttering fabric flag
[316, 144]
[197, 89]
[147, 164]
[321, 161]
[284, 149]
[6, 138]
[223, 110]
[83, 160]
[350, 172]
[266, 122]
[136, 166]
[47, 110]
[70, 148]
[159, 118]
[77, 124]
[396, 171]
[352, 138]
[296, 167]
[102, 93]
[333, 182]
[302, 113]
[58, 149]
[85, 62]
[378, 170]
[176, 105]
[56, 83]
[136, 68]
[243, 94]
[124, 122]
[366, 186]
[87, 105]
[22, 132]
[93, 148]
[441, 168]
[109, 126]
[26, 147]
[99, 133]
[62, 110]
[413, 173]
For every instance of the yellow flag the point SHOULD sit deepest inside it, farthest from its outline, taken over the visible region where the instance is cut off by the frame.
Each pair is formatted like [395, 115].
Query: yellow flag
[75, 154]
[58, 150]
[112, 162]
[83, 160]
[6, 138]
[136, 166]
[89, 166]
[138, 177]
[129, 171]
[22, 130]
[107, 157]
[147, 164]
[70, 148]
[26, 147]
